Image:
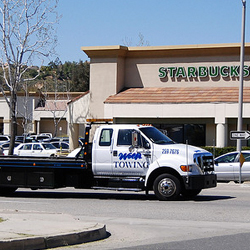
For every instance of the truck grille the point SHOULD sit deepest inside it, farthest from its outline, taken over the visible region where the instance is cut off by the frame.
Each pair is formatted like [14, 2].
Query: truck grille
[205, 162]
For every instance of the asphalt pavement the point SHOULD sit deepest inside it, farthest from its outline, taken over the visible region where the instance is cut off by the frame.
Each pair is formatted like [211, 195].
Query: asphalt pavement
[31, 230]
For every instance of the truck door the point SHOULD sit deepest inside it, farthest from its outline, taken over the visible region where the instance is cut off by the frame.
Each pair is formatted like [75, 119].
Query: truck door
[102, 154]
[128, 160]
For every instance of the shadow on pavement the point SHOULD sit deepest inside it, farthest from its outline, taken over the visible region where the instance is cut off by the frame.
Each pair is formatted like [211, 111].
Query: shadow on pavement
[201, 198]
[108, 196]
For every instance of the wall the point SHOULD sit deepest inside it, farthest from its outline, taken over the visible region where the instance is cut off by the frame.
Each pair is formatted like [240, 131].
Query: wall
[106, 78]
[78, 111]
[116, 68]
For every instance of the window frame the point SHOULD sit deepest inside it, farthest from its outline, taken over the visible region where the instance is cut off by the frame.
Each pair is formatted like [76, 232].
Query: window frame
[109, 136]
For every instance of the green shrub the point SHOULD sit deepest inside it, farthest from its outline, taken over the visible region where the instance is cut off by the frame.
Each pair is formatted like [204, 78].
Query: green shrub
[220, 151]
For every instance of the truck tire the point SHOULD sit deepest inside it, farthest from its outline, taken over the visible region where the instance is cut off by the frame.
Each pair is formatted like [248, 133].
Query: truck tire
[189, 194]
[167, 187]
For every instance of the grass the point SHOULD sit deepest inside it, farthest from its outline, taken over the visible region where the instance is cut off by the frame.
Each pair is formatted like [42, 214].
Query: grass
[1, 219]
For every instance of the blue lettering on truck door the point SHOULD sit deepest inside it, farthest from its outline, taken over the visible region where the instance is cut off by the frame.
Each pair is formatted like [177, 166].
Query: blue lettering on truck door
[126, 162]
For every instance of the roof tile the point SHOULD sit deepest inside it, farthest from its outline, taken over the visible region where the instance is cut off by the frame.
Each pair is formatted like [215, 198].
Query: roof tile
[180, 95]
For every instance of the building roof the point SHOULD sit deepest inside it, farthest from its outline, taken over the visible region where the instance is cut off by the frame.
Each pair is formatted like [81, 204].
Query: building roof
[54, 105]
[195, 50]
[180, 95]
[78, 97]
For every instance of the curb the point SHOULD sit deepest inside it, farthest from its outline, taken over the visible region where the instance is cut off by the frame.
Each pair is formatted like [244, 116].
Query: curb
[33, 243]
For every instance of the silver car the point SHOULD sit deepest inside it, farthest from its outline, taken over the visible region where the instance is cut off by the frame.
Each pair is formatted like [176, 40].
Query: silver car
[227, 167]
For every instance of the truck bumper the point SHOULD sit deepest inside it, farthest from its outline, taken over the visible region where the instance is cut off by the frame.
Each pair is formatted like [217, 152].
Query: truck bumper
[200, 181]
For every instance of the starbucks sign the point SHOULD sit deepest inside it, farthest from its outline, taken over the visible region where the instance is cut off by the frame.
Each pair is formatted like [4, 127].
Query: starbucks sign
[202, 71]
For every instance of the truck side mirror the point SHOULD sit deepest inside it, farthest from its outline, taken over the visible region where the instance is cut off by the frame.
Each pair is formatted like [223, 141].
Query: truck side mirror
[135, 139]
[147, 145]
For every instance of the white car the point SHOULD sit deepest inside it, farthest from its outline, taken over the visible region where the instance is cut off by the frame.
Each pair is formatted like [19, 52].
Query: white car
[75, 152]
[61, 145]
[6, 151]
[35, 149]
[4, 138]
[227, 167]
[6, 145]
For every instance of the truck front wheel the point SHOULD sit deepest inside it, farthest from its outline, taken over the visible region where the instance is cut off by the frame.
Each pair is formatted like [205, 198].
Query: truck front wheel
[166, 187]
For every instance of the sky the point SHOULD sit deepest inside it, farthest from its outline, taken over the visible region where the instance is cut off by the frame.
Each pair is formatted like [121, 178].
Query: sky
[159, 22]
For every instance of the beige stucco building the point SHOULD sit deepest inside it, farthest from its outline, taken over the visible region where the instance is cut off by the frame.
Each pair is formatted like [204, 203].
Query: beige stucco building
[38, 113]
[191, 92]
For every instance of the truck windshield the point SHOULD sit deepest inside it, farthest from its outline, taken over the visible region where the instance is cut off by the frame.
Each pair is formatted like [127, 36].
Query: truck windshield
[156, 136]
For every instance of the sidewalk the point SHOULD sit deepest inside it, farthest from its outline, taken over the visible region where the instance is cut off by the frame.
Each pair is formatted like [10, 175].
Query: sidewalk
[20, 230]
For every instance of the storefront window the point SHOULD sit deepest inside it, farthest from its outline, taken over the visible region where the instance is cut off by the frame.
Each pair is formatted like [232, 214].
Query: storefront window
[195, 134]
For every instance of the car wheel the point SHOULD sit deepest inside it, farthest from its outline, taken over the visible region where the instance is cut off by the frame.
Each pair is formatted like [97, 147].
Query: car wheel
[166, 187]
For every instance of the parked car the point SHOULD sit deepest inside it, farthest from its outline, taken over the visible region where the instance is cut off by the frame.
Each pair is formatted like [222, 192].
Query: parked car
[76, 152]
[6, 151]
[227, 167]
[63, 147]
[56, 139]
[20, 138]
[41, 149]
[46, 134]
[39, 138]
[81, 141]
[6, 145]
[4, 138]
[24, 139]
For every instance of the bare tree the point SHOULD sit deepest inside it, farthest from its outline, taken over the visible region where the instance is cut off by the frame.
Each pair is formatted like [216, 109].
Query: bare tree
[56, 102]
[27, 28]
[142, 41]
[26, 113]
[128, 41]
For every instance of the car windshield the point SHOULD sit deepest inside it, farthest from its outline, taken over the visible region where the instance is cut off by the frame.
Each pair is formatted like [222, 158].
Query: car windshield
[48, 146]
[156, 136]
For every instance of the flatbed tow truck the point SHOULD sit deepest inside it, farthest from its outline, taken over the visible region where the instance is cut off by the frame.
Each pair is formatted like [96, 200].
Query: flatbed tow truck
[121, 157]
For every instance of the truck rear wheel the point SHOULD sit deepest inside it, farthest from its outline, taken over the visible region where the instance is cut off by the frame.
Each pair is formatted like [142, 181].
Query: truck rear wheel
[166, 187]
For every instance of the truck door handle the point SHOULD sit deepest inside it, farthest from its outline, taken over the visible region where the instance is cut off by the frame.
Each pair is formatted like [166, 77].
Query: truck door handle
[147, 154]
[115, 153]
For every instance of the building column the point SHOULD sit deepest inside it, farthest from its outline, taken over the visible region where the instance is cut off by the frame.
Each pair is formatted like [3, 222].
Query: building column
[33, 126]
[37, 127]
[221, 135]
[221, 125]
[73, 132]
[6, 127]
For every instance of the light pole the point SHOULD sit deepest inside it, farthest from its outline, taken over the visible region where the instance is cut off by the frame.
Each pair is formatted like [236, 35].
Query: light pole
[242, 51]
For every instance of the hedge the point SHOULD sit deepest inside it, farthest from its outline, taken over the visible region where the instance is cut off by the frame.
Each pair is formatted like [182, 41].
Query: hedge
[220, 151]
